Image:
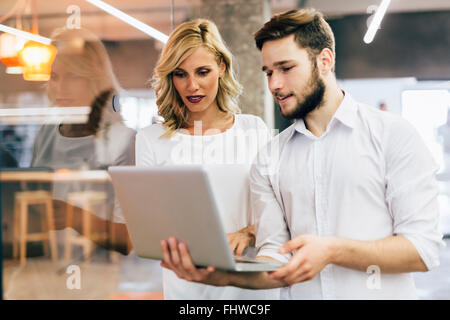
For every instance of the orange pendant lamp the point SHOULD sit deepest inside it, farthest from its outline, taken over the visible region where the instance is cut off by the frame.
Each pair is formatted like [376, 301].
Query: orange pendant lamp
[10, 45]
[36, 59]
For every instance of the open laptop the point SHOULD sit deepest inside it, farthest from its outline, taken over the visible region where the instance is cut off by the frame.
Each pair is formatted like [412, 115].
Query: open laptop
[159, 202]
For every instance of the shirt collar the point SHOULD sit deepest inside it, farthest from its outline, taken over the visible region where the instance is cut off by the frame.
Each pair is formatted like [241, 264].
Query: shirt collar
[345, 113]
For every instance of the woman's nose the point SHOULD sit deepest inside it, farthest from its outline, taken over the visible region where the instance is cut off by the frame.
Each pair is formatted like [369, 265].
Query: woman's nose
[192, 84]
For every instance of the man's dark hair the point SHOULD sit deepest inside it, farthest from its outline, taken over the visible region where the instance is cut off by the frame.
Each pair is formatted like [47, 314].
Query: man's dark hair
[311, 30]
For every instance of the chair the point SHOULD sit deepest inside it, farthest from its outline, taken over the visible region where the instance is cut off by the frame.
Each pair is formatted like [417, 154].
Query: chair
[22, 201]
[87, 200]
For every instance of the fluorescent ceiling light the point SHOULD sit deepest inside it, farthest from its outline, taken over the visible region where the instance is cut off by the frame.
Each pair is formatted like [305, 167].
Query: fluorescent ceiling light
[52, 115]
[26, 35]
[44, 111]
[130, 20]
[376, 21]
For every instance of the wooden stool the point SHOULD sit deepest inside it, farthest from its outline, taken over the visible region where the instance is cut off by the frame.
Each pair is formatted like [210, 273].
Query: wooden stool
[21, 236]
[87, 200]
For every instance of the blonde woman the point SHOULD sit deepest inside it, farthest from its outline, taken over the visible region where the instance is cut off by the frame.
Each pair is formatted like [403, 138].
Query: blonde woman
[197, 97]
[82, 75]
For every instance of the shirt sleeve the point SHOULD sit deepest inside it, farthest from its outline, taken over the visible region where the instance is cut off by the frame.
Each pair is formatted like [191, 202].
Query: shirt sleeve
[144, 152]
[124, 156]
[412, 191]
[270, 224]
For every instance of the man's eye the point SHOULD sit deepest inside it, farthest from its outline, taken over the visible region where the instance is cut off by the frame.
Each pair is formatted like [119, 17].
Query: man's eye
[268, 74]
[287, 69]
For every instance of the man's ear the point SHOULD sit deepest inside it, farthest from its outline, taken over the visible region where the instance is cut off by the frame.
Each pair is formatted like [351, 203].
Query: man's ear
[325, 61]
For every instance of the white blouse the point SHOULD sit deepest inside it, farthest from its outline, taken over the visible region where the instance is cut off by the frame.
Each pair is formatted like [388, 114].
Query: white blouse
[237, 145]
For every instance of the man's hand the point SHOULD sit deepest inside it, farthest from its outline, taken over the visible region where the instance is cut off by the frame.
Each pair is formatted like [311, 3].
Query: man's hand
[176, 257]
[241, 239]
[312, 255]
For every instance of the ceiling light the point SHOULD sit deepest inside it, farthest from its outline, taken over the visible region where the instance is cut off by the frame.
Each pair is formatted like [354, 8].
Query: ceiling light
[25, 35]
[130, 20]
[376, 21]
[37, 59]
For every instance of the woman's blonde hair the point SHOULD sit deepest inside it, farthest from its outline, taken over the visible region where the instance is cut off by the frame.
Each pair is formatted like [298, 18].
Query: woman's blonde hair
[84, 55]
[181, 44]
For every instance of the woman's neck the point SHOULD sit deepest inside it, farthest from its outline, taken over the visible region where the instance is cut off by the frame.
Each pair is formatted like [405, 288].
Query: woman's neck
[210, 121]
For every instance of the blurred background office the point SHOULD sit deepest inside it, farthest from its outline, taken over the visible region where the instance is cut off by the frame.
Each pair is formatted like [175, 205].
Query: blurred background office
[404, 69]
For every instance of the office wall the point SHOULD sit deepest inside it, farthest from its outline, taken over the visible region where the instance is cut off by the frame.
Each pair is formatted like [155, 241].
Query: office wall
[407, 45]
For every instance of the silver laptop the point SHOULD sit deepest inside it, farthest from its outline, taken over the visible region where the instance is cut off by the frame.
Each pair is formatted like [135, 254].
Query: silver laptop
[159, 202]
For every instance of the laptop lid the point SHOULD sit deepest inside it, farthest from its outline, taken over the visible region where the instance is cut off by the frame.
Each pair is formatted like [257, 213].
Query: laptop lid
[159, 202]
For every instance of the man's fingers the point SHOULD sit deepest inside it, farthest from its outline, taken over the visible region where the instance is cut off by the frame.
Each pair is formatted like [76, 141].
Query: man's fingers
[291, 267]
[299, 276]
[291, 245]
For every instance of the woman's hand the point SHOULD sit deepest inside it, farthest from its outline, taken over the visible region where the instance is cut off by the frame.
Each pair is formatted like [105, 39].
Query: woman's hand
[177, 258]
[241, 239]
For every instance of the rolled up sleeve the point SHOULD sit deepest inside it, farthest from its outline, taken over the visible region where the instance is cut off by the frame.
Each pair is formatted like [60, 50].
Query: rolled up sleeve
[412, 191]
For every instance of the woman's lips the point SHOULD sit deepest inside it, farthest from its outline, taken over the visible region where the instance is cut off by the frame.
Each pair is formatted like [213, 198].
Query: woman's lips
[195, 99]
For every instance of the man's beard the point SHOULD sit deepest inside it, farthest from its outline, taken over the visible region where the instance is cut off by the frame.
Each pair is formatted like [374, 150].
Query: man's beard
[311, 101]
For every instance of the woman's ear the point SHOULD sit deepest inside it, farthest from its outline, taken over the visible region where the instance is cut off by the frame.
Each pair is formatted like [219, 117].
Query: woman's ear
[222, 68]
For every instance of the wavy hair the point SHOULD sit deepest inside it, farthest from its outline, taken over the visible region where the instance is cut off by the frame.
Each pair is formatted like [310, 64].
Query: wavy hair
[182, 42]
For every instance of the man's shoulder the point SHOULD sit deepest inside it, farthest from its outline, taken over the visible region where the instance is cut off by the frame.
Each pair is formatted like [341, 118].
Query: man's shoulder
[384, 121]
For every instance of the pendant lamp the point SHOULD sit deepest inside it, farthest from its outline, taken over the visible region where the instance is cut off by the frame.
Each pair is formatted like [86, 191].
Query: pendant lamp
[36, 59]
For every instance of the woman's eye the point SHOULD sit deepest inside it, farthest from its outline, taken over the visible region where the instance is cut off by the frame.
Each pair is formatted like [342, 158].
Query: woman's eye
[178, 74]
[203, 72]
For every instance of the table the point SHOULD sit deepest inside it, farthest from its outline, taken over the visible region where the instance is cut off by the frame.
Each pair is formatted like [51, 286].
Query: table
[55, 176]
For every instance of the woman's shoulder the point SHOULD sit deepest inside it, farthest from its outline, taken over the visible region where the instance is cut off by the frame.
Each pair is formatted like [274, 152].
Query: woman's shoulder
[151, 132]
[250, 121]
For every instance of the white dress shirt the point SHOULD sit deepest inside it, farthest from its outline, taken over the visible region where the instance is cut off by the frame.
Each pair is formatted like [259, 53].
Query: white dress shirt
[369, 176]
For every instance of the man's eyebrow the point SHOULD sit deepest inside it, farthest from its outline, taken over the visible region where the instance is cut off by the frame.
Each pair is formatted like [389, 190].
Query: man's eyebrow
[277, 64]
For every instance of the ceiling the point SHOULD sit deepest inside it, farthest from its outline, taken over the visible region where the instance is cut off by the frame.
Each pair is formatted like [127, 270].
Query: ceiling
[158, 13]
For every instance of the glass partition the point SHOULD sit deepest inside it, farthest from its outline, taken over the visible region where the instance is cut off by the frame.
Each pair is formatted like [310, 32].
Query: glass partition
[71, 101]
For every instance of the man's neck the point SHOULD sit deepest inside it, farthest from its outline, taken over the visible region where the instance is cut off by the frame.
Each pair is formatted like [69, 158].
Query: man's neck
[318, 120]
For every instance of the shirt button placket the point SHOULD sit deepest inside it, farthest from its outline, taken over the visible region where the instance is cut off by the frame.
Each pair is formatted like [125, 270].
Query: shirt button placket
[326, 276]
